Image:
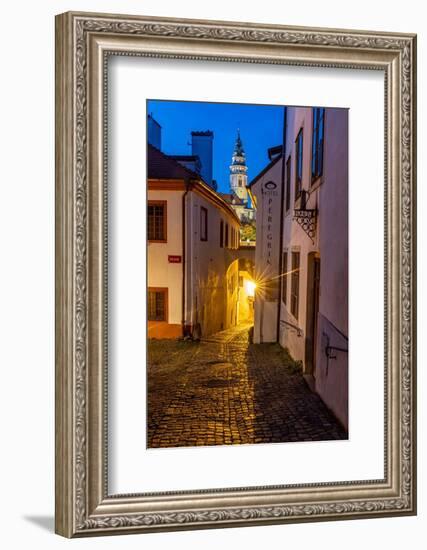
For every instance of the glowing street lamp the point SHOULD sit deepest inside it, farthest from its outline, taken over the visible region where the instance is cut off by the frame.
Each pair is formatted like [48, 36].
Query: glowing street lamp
[250, 287]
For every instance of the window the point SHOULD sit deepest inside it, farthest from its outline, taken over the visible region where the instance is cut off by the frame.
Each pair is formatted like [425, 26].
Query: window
[317, 145]
[157, 221]
[285, 277]
[298, 165]
[203, 224]
[226, 236]
[295, 284]
[221, 234]
[288, 184]
[157, 304]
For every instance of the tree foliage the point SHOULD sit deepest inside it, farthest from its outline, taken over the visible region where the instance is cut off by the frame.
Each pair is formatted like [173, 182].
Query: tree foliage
[248, 231]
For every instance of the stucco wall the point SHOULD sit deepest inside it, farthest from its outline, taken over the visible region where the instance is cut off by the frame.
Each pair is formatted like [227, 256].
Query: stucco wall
[160, 272]
[332, 371]
[333, 220]
[332, 374]
[293, 329]
[330, 245]
[267, 253]
[210, 299]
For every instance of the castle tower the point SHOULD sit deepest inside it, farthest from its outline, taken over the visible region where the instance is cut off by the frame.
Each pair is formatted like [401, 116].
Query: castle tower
[238, 171]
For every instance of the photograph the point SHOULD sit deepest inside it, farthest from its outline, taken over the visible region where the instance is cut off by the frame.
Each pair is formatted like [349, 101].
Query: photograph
[235, 272]
[247, 273]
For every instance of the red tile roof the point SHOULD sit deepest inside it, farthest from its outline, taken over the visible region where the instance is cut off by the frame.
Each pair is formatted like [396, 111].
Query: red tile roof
[163, 167]
[229, 197]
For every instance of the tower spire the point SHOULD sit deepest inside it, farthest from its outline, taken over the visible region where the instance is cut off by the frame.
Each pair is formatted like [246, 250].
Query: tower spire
[238, 147]
[238, 170]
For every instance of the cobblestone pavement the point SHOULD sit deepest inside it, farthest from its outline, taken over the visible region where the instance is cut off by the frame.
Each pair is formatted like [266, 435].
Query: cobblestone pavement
[224, 390]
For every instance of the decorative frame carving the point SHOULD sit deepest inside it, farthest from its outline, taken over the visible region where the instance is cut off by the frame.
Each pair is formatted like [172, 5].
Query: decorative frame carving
[83, 42]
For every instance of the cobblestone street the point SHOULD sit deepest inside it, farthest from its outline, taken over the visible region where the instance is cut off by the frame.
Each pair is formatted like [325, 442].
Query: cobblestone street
[225, 390]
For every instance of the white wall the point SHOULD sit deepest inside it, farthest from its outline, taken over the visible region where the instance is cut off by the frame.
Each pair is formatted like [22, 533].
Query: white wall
[333, 214]
[294, 237]
[27, 245]
[267, 254]
[330, 242]
[162, 273]
[332, 375]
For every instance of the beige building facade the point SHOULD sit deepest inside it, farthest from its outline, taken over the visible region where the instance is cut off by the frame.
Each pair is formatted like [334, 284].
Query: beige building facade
[193, 277]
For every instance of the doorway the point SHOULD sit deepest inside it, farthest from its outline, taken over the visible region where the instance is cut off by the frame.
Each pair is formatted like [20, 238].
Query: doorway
[313, 296]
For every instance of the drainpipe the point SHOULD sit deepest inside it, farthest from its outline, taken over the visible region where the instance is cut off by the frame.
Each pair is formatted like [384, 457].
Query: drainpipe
[184, 233]
[261, 313]
[279, 305]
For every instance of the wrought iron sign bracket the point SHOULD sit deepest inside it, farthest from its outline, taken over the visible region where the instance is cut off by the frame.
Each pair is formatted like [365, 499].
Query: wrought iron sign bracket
[307, 219]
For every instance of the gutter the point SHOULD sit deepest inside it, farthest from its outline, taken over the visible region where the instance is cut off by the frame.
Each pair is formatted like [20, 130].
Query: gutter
[279, 305]
[208, 192]
[184, 223]
[252, 196]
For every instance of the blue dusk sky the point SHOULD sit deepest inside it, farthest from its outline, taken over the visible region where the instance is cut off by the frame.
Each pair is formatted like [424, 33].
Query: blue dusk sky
[261, 127]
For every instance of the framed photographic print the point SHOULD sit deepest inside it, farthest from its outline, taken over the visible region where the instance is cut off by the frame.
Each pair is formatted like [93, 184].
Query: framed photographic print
[235, 274]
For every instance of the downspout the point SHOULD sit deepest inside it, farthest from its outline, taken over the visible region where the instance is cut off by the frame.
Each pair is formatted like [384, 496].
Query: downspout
[261, 324]
[279, 305]
[184, 233]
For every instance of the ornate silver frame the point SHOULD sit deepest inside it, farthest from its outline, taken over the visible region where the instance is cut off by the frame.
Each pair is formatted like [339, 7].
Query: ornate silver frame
[83, 506]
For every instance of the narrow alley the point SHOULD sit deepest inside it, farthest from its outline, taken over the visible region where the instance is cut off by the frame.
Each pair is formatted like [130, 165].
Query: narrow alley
[225, 390]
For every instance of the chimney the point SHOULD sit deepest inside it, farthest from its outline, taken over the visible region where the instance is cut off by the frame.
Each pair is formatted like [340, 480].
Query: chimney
[154, 132]
[202, 146]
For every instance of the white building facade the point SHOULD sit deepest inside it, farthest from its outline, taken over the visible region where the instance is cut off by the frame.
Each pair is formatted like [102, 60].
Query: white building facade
[310, 315]
[266, 193]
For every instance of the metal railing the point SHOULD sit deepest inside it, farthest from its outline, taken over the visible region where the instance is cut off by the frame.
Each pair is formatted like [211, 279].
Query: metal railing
[297, 329]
